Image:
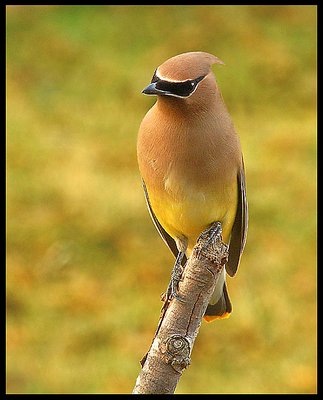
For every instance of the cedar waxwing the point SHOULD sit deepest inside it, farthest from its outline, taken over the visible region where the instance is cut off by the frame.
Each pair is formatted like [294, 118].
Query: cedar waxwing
[191, 166]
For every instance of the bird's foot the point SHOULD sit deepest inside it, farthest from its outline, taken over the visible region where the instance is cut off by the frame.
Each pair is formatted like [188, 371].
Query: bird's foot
[209, 242]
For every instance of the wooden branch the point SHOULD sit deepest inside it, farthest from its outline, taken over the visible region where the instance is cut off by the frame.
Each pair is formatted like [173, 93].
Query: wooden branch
[181, 318]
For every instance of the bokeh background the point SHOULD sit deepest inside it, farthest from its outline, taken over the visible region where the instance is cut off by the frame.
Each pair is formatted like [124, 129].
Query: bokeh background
[85, 266]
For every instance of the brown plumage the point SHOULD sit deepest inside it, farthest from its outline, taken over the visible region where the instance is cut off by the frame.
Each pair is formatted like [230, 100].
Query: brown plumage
[191, 163]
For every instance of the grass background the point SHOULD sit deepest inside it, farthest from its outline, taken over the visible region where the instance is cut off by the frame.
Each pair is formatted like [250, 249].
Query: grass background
[85, 266]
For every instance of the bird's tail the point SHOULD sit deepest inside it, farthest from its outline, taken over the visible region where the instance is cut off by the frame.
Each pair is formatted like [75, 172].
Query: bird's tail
[221, 309]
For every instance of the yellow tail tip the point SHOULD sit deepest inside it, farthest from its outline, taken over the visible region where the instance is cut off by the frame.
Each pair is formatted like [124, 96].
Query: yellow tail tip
[211, 318]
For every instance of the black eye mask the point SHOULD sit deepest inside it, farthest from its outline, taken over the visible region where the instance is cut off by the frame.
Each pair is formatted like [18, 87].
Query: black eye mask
[179, 89]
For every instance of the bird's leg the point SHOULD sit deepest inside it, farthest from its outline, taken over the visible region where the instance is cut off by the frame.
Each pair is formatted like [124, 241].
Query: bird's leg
[176, 275]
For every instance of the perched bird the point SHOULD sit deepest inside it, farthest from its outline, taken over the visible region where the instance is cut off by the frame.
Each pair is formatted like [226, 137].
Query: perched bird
[191, 165]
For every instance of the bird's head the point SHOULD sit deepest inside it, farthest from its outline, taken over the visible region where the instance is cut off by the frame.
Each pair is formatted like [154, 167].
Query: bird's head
[185, 76]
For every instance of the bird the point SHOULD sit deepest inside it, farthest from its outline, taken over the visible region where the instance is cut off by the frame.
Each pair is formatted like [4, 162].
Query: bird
[191, 166]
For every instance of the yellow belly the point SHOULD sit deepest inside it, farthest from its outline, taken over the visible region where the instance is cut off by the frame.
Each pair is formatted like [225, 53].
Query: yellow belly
[186, 211]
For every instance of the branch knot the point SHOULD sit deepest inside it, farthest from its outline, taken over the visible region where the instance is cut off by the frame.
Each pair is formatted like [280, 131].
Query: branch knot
[176, 350]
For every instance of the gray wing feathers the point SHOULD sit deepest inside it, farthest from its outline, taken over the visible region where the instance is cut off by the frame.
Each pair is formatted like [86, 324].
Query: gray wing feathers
[164, 235]
[240, 227]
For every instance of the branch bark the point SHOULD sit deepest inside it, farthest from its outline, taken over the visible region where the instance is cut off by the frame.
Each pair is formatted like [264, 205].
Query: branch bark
[181, 318]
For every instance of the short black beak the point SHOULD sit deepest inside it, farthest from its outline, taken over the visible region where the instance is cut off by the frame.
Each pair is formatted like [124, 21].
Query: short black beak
[151, 89]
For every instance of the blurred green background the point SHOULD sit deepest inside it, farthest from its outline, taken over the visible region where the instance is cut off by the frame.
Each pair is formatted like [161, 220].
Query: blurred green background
[85, 266]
